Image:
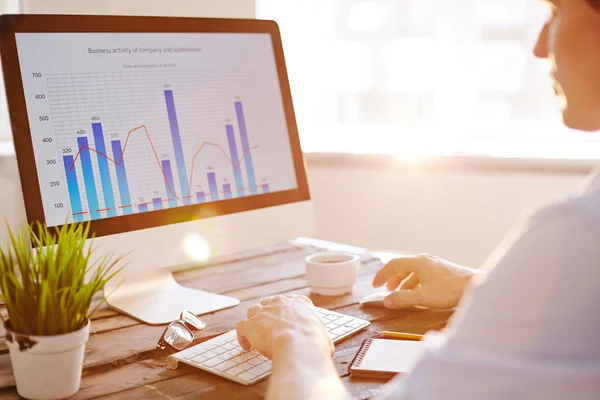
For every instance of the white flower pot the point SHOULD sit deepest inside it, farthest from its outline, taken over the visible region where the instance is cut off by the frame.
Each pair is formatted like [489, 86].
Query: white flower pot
[47, 367]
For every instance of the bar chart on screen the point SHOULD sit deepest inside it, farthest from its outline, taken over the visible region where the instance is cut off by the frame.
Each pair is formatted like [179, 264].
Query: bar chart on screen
[113, 165]
[117, 133]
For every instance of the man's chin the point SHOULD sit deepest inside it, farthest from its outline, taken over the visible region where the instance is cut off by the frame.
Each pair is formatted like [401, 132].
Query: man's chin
[582, 121]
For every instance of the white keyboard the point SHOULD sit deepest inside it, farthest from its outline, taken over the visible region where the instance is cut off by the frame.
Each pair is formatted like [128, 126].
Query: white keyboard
[223, 355]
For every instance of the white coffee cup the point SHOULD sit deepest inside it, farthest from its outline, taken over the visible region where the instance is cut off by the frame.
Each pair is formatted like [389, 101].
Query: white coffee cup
[332, 273]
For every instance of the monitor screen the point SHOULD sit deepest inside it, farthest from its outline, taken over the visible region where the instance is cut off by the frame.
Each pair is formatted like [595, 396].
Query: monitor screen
[129, 123]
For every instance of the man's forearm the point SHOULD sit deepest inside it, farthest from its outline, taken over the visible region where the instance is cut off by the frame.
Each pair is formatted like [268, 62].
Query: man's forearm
[301, 373]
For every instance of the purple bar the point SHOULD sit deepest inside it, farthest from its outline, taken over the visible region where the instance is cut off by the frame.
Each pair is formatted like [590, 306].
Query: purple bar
[227, 190]
[241, 119]
[121, 177]
[157, 202]
[235, 159]
[212, 185]
[200, 197]
[265, 188]
[177, 146]
[169, 185]
[143, 207]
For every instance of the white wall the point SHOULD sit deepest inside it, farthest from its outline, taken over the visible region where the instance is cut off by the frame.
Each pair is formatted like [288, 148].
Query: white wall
[186, 8]
[459, 215]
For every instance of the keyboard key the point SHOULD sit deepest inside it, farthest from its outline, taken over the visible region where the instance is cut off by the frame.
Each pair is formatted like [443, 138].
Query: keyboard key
[344, 320]
[237, 351]
[225, 356]
[234, 371]
[212, 362]
[333, 336]
[331, 326]
[229, 346]
[263, 367]
[341, 331]
[255, 361]
[247, 376]
[232, 353]
[220, 341]
[219, 350]
[211, 346]
[247, 356]
[331, 317]
[189, 355]
[263, 358]
[209, 354]
[225, 366]
[238, 359]
[198, 359]
[246, 366]
[256, 371]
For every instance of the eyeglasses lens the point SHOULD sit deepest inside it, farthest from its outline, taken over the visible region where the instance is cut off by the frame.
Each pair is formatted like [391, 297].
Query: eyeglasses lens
[178, 336]
[193, 320]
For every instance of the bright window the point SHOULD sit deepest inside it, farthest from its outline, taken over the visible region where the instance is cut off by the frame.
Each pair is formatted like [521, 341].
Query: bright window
[423, 77]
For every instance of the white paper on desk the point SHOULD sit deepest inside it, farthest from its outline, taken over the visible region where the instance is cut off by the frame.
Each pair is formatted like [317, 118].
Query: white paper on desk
[387, 355]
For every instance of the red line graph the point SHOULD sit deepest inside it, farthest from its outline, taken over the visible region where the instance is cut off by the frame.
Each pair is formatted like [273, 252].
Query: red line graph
[172, 190]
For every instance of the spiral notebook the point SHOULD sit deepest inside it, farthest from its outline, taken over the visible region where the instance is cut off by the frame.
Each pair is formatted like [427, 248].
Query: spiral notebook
[384, 358]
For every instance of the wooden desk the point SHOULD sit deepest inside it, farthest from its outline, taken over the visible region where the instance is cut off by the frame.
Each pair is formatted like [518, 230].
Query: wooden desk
[122, 361]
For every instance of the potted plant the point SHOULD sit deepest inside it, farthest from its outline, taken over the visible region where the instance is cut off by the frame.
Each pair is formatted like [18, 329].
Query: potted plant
[48, 277]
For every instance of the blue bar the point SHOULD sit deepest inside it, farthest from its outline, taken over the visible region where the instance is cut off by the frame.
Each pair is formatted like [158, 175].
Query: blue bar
[143, 208]
[126, 205]
[179, 160]
[88, 177]
[200, 197]
[107, 189]
[227, 190]
[235, 159]
[239, 110]
[74, 195]
[169, 185]
[265, 188]
[157, 202]
[212, 185]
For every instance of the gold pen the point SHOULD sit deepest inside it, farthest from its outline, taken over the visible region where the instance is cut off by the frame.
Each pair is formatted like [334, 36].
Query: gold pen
[398, 335]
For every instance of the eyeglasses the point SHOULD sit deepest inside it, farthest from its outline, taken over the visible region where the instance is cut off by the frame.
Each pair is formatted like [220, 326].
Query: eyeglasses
[180, 334]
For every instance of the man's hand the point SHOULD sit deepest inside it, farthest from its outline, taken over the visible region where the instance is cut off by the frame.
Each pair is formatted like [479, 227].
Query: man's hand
[278, 323]
[423, 280]
[288, 330]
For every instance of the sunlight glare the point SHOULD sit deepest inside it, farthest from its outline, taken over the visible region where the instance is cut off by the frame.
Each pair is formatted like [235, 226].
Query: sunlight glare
[196, 247]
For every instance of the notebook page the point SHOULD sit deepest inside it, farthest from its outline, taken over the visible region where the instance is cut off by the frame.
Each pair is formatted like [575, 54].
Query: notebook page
[391, 355]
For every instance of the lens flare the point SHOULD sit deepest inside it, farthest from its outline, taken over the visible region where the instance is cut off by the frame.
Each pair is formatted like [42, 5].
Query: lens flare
[196, 247]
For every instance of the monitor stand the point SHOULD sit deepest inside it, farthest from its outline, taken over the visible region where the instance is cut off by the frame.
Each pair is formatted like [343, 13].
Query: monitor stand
[154, 297]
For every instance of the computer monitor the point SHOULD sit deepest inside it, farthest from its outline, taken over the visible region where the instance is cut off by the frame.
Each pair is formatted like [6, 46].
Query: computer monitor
[165, 133]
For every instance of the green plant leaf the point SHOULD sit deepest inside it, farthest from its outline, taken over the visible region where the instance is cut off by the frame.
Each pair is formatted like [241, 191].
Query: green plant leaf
[46, 278]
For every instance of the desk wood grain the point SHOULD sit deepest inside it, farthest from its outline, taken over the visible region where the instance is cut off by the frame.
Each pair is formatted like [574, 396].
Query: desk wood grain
[122, 362]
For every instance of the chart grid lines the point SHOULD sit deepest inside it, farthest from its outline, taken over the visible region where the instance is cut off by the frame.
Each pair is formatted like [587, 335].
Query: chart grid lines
[130, 136]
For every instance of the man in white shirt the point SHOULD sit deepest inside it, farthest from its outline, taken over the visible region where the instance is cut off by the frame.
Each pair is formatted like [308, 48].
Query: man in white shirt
[528, 324]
